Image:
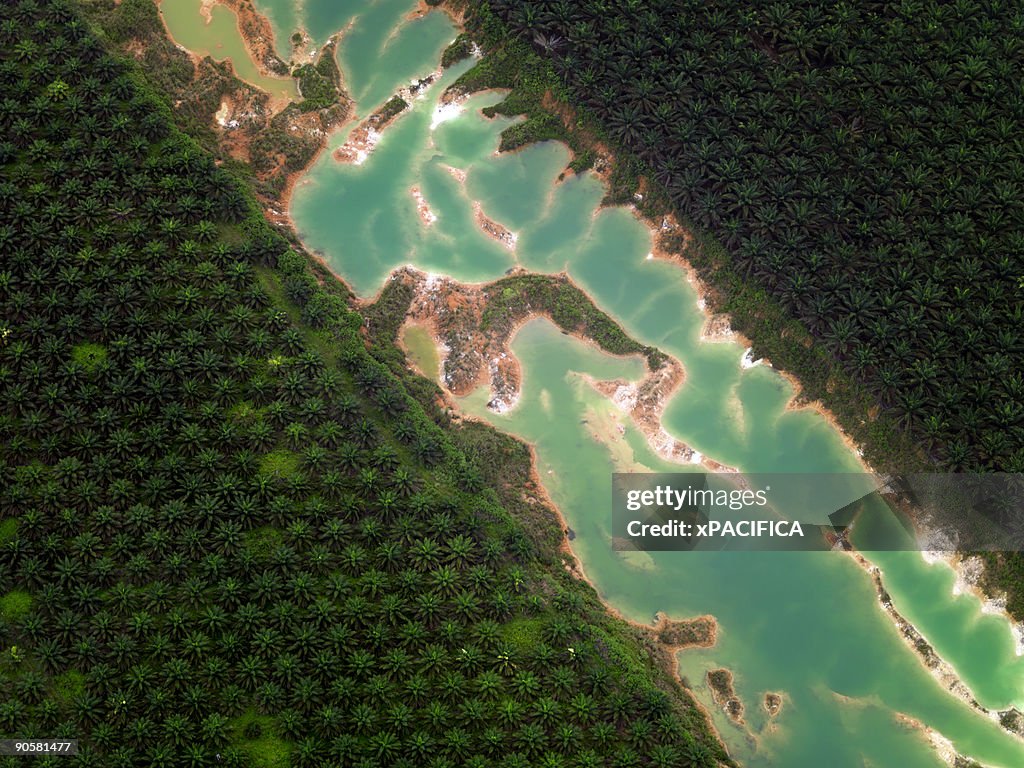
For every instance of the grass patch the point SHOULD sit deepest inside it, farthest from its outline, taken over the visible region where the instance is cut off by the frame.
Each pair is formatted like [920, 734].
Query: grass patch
[256, 736]
[69, 686]
[243, 412]
[262, 541]
[523, 634]
[9, 529]
[90, 356]
[15, 604]
[282, 463]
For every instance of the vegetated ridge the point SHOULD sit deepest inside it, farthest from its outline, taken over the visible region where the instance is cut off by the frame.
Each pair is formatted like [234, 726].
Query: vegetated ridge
[228, 534]
[854, 183]
[230, 118]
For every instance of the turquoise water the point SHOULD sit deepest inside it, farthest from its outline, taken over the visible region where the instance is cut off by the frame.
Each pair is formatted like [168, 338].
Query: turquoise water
[804, 624]
[421, 351]
[284, 17]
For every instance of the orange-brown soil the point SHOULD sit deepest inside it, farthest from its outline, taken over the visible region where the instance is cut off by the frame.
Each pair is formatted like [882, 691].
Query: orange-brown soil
[454, 311]
[670, 243]
[604, 160]
[473, 357]
[457, 15]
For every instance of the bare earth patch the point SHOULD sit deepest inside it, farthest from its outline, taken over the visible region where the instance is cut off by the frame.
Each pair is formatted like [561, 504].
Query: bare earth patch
[472, 357]
[493, 229]
[426, 215]
[645, 402]
[453, 311]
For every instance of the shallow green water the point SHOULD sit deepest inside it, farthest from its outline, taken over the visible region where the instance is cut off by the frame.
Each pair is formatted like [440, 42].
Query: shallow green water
[221, 40]
[284, 17]
[421, 351]
[804, 624]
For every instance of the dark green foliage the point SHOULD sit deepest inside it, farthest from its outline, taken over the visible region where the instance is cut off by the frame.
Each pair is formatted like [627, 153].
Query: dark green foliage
[512, 298]
[238, 540]
[461, 48]
[583, 161]
[537, 94]
[624, 181]
[512, 65]
[319, 83]
[385, 316]
[139, 21]
[392, 107]
[316, 90]
[197, 94]
[383, 320]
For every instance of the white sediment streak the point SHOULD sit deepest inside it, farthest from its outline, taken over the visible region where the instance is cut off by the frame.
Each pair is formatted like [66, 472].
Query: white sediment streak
[445, 112]
[427, 216]
[968, 572]
[372, 137]
[456, 173]
[748, 361]
[500, 405]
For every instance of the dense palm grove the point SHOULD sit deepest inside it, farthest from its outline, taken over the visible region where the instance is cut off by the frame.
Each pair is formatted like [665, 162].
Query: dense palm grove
[862, 161]
[228, 536]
